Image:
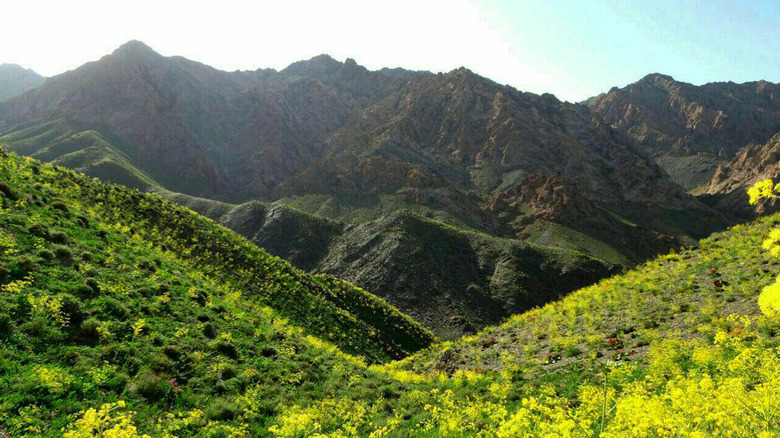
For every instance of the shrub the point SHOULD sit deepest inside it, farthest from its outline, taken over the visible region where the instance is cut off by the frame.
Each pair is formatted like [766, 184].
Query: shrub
[209, 330]
[90, 330]
[59, 204]
[63, 253]
[22, 265]
[228, 372]
[46, 255]
[226, 348]
[221, 410]
[147, 264]
[172, 351]
[114, 308]
[72, 307]
[150, 386]
[8, 192]
[39, 230]
[59, 237]
[160, 362]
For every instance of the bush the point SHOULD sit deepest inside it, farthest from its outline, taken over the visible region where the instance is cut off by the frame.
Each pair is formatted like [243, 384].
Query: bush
[160, 362]
[228, 372]
[209, 330]
[226, 348]
[172, 351]
[39, 230]
[63, 253]
[89, 330]
[46, 255]
[221, 410]
[147, 264]
[8, 192]
[59, 204]
[114, 308]
[151, 386]
[72, 307]
[22, 265]
[59, 237]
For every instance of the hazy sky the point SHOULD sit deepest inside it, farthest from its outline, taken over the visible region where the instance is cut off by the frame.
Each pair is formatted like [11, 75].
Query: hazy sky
[571, 48]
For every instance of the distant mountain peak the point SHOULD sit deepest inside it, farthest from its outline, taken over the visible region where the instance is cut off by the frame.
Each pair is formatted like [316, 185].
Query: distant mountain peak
[655, 77]
[135, 48]
[13, 67]
[319, 63]
[15, 80]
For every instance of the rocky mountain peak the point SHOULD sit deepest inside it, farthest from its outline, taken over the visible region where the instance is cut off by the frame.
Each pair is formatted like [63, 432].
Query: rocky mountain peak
[135, 49]
[320, 64]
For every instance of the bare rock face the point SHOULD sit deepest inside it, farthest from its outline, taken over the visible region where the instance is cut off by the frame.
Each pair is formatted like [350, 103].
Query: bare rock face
[460, 134]
[546, 197]
[15, 80]
[692, 129]
[729, 184]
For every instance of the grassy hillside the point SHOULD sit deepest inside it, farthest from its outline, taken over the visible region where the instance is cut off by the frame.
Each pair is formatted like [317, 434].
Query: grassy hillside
[123, 315]
[68, 144]
[675, 348]
[451, 280]
[106, 291]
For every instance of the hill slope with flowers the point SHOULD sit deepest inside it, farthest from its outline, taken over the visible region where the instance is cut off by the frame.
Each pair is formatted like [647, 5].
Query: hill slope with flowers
[114, 322]
[106, 290]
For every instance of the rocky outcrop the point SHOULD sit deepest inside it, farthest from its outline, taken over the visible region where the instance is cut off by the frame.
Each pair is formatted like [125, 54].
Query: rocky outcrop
[728, 188]
[691, 129]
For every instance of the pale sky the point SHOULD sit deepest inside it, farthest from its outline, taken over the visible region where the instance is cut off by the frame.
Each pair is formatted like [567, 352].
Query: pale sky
[571, 48]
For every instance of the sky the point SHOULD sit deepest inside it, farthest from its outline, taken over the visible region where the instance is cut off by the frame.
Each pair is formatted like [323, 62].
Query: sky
[571, 48]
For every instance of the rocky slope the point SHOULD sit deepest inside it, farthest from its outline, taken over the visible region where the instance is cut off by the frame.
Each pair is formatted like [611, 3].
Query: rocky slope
[455, 141]
[691, 129]
[727, 191]
[15, 80]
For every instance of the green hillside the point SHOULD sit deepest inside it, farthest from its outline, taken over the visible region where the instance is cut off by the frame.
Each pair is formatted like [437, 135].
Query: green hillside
[107, 290]
[451, 280]
[124, 315]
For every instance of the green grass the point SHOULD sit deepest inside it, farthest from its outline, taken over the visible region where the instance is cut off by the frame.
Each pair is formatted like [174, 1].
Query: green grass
[555, 235]
[111, 295]
[109, 292]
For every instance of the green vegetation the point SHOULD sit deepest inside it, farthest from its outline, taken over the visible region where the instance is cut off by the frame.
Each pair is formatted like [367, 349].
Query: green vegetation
[124, 315]
[65, 143]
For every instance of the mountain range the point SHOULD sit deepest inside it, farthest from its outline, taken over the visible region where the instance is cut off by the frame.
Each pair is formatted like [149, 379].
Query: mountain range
[513, 199]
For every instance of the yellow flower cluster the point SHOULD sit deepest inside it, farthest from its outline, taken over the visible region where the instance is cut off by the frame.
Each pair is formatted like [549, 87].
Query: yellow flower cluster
[112, 420]
[763, 190]
[769, 300]
[53, 379]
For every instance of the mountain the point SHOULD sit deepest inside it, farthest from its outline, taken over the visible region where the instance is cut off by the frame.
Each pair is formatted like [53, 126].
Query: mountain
[122, 314]
[15, 80]
[691, 130]
[541, 195]
[452, 281]
[196, 129]
[464, 145]
[727, 191]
